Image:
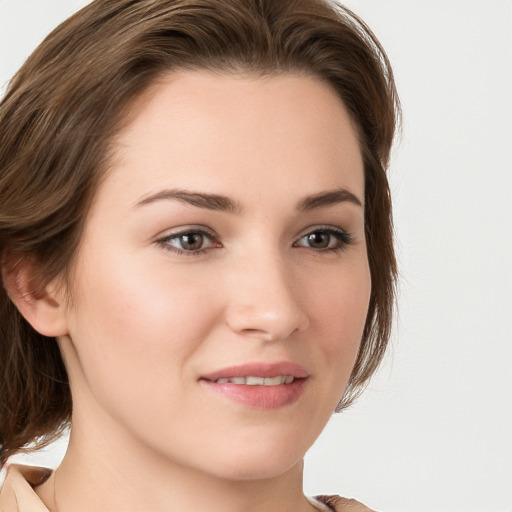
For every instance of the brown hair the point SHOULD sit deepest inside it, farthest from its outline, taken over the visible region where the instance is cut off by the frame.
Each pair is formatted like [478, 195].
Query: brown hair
[64, 106]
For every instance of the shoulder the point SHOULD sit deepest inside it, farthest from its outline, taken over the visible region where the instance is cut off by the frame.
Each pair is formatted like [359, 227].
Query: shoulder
[339, 504]
[17, 494]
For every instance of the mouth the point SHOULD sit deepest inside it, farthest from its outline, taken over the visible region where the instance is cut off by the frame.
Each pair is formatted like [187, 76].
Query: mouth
[257, 381]
[259, 385]
[255, 374]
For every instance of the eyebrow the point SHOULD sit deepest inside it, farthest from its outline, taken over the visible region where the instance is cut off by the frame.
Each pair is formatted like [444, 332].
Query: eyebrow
[217, 202]
[328, 198]
[208, 201]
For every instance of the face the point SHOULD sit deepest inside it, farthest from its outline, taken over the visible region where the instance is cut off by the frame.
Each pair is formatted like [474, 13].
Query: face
[222, 283]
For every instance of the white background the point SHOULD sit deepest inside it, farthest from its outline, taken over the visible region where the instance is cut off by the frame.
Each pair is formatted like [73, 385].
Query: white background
[433, 433]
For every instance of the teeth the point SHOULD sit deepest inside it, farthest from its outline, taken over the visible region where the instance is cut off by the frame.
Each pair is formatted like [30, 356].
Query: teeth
[258, 381]
[274, 381]
[254, 381]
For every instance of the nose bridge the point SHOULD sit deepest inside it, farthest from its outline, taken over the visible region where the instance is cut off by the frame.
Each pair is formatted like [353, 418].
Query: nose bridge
[264, 301]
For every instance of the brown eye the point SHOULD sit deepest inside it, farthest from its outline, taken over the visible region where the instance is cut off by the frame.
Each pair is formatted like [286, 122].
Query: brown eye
[325, 239]
[191, 241]
[319, 240]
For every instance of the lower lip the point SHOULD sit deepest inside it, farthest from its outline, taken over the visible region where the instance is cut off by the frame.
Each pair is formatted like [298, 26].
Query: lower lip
[261, 397]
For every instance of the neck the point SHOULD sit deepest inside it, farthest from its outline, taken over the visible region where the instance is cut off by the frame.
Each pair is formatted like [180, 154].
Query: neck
[108, 473]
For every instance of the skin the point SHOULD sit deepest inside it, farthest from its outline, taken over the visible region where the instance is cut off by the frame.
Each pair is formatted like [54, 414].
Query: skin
[146, 321]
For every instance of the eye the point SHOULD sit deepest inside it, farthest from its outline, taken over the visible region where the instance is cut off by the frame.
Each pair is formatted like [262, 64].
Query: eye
[190, 241]
[325, 239]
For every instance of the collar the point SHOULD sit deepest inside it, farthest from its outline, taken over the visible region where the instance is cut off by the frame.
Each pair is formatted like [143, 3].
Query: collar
[17, 493]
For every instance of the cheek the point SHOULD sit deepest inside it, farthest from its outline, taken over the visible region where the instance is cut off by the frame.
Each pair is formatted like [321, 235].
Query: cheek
[134, 327]
[341, 304]
[339, 313]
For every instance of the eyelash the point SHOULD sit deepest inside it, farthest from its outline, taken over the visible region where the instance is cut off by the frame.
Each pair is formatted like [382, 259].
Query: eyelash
[342, 237]
[164, 242]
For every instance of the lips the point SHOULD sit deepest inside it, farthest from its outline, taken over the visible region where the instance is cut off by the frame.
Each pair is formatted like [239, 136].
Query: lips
[259, 370]
[258, 381]
[259, 385]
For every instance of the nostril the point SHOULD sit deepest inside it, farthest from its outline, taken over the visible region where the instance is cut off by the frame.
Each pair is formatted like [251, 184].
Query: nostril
[268, 310]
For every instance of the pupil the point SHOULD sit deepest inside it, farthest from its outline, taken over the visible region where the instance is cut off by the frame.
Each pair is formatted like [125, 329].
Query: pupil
[192, 242]
[319, 240]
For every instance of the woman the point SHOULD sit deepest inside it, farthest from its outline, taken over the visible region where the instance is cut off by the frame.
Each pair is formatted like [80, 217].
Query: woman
[197, 256]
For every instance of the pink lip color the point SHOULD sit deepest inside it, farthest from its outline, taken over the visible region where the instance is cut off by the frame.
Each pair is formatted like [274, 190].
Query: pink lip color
[262, 397]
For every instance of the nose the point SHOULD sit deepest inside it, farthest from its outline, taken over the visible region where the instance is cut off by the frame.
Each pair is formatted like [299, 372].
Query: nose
[264, 300]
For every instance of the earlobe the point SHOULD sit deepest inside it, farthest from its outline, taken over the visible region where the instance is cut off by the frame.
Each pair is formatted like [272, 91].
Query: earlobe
[40, 304]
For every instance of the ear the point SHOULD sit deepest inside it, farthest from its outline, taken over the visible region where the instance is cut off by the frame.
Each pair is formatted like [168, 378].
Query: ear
[41, 305]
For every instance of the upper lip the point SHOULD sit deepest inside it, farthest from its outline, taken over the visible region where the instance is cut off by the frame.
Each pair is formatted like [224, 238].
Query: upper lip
[259, 370]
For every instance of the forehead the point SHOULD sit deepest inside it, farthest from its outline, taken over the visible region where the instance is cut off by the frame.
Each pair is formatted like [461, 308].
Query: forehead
[199, 128]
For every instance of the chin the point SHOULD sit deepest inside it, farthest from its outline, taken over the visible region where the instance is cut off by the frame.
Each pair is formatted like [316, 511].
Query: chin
[258, 460]
[246, 471]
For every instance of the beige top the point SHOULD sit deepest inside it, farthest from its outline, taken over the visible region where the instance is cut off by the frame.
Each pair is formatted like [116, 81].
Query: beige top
[18, 494]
